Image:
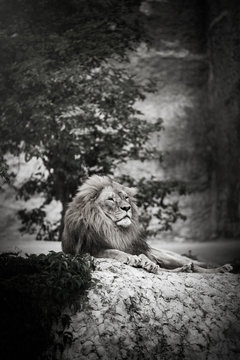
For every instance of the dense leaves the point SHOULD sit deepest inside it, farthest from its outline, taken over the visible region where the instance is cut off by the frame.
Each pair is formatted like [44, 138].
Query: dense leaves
[34, 292]
[4, 177]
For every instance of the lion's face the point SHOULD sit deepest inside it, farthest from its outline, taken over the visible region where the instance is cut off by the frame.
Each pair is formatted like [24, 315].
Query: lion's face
[115, 203]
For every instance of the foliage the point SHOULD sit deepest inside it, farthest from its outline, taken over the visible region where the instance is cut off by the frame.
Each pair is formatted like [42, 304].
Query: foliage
[34, 292]
[35, 222]
[55, 77]
[156, 205]
[4, 177]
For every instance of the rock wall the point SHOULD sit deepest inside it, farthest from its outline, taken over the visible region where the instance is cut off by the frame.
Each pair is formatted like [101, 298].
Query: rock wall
[224, 102]
[194, 59]
[177, 61]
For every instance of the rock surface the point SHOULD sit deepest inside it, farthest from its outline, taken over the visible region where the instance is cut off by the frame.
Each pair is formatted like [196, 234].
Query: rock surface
[132, 314]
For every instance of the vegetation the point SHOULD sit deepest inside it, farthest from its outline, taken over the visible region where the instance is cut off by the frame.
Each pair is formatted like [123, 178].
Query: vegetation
[155, 206]
[34, 292]
[67, 98]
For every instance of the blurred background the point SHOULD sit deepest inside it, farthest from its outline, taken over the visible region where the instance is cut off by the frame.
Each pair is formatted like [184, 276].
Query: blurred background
[145, 91]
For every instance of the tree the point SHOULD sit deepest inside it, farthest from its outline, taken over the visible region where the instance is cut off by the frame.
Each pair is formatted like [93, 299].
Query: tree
[66, 96]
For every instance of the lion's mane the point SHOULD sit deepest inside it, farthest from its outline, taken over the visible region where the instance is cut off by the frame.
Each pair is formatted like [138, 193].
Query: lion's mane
[88, 229]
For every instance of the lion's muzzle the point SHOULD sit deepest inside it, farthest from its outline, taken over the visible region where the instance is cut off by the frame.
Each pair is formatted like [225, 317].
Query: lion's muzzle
[125, 221]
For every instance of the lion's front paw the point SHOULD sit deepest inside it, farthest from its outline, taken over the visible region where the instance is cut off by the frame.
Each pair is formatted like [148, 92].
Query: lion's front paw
[225, 268]
[148, 265]
[133, 260]
[143, 262]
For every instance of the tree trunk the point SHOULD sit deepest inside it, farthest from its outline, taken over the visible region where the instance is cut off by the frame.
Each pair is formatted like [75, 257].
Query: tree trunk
[63, 194]
[64, 208]
[133, 314]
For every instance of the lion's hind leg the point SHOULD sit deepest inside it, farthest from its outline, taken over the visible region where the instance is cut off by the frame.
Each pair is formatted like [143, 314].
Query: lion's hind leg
[172, 262]
[221, 269]
[193, 268]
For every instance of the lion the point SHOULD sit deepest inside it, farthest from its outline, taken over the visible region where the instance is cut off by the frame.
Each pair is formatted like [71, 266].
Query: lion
[102, 220]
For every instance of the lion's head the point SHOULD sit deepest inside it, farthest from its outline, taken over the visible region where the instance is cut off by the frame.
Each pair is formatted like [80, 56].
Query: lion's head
[102, 215]
[116, 204]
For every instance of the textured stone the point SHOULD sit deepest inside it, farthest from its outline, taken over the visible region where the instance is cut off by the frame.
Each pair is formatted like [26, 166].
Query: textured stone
[165, 316]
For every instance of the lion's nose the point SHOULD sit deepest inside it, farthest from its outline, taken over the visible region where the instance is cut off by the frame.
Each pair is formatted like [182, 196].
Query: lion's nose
[126, 208]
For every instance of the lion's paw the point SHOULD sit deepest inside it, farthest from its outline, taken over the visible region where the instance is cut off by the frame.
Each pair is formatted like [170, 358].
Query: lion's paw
[143, 262]
[133, 260]
[189, 268]
[148, 264]
[225, 268]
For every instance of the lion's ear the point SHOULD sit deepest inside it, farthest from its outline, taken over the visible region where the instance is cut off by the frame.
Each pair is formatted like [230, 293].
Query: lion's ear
[132, 191]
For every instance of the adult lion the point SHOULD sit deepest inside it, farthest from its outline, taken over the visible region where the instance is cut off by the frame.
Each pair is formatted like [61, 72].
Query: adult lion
[102, 220]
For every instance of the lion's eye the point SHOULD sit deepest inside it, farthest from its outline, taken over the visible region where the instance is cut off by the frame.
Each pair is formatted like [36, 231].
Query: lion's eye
[127, 197]
[111, 199]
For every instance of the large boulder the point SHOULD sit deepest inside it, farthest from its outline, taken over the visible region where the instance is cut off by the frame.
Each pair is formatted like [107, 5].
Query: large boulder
[133, 314]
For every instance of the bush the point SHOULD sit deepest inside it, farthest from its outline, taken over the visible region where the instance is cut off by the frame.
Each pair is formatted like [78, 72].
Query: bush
[34, 292]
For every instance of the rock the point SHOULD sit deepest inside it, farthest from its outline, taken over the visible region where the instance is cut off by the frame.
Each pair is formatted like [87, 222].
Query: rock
[133, 314]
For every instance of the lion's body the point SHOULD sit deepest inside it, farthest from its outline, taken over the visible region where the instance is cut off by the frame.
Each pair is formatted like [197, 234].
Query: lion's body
[102, 220]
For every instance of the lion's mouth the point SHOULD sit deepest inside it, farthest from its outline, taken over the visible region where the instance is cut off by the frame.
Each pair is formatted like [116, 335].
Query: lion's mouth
[125, 217]
[125, 221]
